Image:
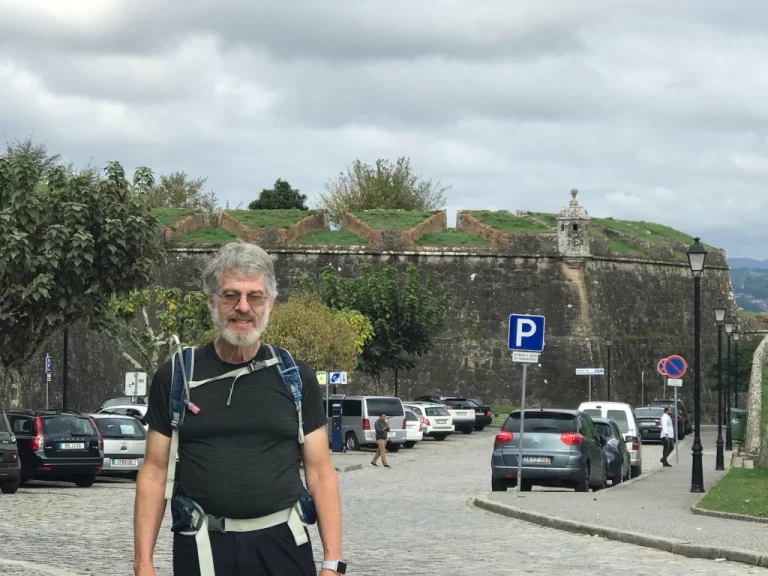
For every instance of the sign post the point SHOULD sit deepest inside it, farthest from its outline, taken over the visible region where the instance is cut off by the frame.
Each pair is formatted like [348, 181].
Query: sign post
[335, 378]
[48, 373]
[590, 372]
[675, 383]
[526, 340]
[674, 367]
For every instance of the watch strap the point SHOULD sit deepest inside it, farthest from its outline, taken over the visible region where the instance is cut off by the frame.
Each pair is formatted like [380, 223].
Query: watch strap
[338, 566]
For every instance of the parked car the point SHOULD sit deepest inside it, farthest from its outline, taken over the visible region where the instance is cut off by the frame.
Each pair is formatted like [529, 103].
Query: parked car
[10, 465]
[616, 453]
[483, 416]
[358, 415]
[560, 448]
[437, 421]
[413, 429]
[121, 400]
[624, 416]
[138, 411]
[649, 421]
[463, 416]
[125, 441]
[684, 418]
[57, 445]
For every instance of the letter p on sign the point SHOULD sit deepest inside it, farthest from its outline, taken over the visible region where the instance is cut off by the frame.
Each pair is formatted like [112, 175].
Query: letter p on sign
[526, 333]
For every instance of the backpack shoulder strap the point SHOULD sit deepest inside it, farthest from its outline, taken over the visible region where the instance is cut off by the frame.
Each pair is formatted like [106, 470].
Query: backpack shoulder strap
[292, 380]
[182, 369]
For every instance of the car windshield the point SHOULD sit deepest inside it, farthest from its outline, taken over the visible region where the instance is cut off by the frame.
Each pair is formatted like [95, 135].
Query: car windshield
[649, 413]
[121, 428]
[592, 412]
[436, 411]
[411, 416]
[67, 425]
[620, 417]
[538, 421]
[388, 406]
[3, 426]
[604, 429]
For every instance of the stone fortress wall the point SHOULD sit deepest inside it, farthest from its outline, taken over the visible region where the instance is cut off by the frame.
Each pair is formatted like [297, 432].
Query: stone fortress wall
[587, 290]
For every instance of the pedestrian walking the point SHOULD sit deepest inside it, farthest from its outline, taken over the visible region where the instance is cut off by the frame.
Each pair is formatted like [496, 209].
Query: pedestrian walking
[381, 426]
[667, 436]
[240, 505]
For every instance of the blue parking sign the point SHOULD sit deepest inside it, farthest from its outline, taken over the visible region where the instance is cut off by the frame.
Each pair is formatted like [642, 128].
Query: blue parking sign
[526, 333]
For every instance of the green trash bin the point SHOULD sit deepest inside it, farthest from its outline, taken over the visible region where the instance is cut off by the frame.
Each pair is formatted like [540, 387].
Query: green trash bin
[738, 424]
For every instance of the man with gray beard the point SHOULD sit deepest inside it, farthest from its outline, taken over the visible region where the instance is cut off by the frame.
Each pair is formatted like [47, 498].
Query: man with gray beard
[239, 452]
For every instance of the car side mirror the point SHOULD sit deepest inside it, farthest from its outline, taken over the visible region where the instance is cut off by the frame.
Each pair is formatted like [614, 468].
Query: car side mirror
[603, 441]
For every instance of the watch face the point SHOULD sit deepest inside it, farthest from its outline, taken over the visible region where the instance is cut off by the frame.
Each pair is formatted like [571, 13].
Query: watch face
[342, 568]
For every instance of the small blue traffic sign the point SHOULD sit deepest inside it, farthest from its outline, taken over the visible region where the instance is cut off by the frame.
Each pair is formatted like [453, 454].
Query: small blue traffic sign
[335, 377]
[526, 333]
[48, 365]
[675, 366]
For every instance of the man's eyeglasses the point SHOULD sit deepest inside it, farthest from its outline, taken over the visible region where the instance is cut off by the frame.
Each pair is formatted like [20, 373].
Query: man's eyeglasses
[232, 298]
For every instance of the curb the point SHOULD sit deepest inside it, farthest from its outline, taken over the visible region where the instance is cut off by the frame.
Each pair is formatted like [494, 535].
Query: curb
[671, 545]
[349, 468]
[728, 515]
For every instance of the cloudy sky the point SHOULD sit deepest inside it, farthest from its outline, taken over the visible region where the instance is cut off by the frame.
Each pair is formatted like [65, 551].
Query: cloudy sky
[654, 110]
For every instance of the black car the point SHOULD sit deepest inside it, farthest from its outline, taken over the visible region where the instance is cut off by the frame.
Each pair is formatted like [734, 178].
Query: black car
[57, 445]
[617, 456]
[684, 418]
[649, 423]
[10, 465]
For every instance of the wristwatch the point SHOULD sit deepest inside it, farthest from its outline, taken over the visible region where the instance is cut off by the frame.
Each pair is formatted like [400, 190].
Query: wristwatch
[338, 566]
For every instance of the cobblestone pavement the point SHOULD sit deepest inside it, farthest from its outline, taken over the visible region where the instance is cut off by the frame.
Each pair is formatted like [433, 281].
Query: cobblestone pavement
[630, 507]
[412, 518]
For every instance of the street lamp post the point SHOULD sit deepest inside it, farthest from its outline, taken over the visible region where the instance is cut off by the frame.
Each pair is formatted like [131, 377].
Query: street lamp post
[608, 343]
[720, 311]
[696, 256]
[729, 325]
[736, 336]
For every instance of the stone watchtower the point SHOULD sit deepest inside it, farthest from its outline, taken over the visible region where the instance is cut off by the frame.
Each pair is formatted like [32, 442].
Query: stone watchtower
[573, 229]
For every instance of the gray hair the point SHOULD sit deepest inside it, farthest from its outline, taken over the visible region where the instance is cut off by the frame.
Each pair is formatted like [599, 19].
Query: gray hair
[244, 260]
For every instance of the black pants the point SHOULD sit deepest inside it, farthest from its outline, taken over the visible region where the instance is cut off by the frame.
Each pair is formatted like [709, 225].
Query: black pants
[268, 552]
[669, 445]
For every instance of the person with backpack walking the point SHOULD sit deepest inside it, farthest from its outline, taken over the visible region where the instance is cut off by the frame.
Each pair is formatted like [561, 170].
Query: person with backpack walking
[242, 416]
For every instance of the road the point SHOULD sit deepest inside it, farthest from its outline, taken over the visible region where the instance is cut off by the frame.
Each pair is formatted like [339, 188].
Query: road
[411, 519]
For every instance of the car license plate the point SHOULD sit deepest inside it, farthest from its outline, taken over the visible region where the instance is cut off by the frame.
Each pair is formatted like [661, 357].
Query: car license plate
[124, 462]
[390, 435]
[536, 459]
[71, 446]
[441, 421]
[646, 423]
[461, 413]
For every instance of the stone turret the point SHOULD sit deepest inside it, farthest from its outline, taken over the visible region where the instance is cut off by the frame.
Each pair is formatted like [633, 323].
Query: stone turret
[573, 229]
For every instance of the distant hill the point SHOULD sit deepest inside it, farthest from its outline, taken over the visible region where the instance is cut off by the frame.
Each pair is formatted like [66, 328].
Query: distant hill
[750, 283]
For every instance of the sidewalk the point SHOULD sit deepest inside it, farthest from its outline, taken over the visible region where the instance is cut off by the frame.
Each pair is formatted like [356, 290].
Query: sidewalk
[658, 504]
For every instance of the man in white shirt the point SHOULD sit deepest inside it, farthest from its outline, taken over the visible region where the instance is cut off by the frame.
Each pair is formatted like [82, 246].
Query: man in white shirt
[667, 436]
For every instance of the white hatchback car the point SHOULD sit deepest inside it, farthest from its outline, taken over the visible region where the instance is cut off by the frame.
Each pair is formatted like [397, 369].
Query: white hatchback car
[624, 416]
[125, 441]
[414, 429]
[436, 419]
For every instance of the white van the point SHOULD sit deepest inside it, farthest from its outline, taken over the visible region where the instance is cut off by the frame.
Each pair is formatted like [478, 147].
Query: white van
[624, 417]
[358, 418]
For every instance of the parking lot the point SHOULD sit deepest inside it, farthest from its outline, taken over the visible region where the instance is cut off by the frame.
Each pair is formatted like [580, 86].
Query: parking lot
[412, 518]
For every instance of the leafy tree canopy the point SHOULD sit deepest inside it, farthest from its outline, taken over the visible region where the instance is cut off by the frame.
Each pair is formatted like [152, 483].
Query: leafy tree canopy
[407, 315]
[68, 245]
[325, 339]
[741, 371]
[281, 197]
[384, 186]
[177, 190]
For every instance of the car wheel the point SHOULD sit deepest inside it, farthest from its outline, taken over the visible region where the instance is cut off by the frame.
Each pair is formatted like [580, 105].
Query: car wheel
[409, 444]
[479, 428]
[467, 430]
[583, 484]
[9, 487]
[439, 437]
[526, 486]
[85, 481]
[635, 471]
[498, 485]
[351, 441]
[618, 478]
[393, 447]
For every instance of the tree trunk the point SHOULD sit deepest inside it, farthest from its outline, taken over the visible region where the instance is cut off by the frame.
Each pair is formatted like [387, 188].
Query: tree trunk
[10, 387]
[754, 402]
[397, 389]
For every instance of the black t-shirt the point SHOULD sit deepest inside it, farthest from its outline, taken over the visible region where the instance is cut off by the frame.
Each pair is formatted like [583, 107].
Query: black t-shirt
[242, 460]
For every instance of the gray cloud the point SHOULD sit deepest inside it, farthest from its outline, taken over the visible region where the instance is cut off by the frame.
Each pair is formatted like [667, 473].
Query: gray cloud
[655, 111]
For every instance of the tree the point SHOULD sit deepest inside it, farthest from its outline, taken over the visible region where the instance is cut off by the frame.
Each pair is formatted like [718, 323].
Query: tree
[741, 372]
[142, 322]
[281, 197]
[325, 339]
[406, 316]
[68, 247]
[177, 190]
[386, 186]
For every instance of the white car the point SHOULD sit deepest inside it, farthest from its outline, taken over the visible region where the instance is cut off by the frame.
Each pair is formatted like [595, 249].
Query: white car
[138, 411]
[125, 441]
[463, 418]
[414, 429]
[437, 421]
